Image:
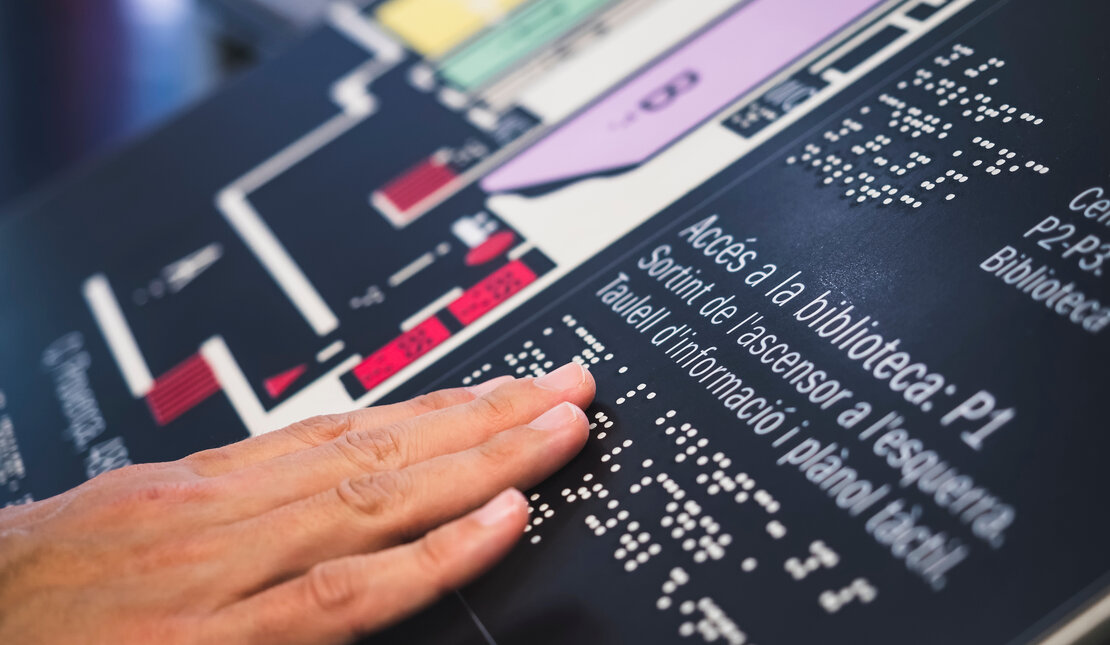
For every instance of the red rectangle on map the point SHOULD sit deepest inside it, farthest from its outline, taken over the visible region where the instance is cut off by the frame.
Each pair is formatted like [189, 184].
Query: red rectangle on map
[418, 184]
[180, 389]
[493, 290]
[401, 351]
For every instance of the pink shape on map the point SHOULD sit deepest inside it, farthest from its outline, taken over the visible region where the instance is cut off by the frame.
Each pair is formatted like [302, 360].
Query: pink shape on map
[662, 103]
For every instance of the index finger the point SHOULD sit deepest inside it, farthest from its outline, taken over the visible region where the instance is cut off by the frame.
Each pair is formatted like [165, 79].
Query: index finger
[322, 429]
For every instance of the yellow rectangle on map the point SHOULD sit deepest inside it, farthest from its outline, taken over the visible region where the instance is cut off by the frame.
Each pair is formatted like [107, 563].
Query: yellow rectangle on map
[435, 27]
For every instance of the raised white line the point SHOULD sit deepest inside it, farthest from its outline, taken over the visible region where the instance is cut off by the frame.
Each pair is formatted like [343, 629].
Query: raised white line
[432, 307]
[347, 20]
[414, 267]
[234, 384]
[330, 352]
[325, 395]
[121, 342]
[520, 250]
[296, 152]
[277, 261]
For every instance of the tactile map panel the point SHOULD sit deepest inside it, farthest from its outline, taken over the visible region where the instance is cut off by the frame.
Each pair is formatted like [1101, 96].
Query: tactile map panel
[837, 267]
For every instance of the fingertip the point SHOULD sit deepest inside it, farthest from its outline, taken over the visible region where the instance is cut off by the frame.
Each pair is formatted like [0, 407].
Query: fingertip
[507, 507]
[588, 388]
[560, 417]
[568, 377]
[573, 381]
[581, 428]
[567, 429]
[486, 535]
[486, 387]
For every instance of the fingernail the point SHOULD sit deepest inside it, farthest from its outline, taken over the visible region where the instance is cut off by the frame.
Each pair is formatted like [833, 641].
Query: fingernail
[486, 387]
[498, 508]
[566, 377]
[557, 417]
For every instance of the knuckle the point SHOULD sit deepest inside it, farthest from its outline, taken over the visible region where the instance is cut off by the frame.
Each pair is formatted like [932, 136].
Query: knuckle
[373, 449]
[330, 585]
[434, 561]
[373, 495]
[499, 451]
[318, 429]
[205, 461]
[497, 409]
[435, 401]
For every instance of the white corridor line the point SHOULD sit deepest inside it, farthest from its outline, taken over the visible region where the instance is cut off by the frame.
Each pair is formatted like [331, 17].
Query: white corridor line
[351, 93]
[276, 260]
[121, 342]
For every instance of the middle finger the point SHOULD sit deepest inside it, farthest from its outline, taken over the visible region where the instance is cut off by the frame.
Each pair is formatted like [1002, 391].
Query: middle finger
[298, 475]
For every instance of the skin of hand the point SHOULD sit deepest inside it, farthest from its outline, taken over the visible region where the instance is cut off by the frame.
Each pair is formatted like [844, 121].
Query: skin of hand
[318, 533]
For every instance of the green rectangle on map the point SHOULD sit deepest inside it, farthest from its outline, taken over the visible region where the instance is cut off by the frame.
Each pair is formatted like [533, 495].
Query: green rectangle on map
[521, 34]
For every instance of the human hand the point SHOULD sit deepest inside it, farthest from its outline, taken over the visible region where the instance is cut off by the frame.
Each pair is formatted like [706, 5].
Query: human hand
[317, 533]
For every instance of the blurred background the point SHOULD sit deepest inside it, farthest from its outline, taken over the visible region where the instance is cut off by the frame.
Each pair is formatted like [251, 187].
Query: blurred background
[79, 78]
